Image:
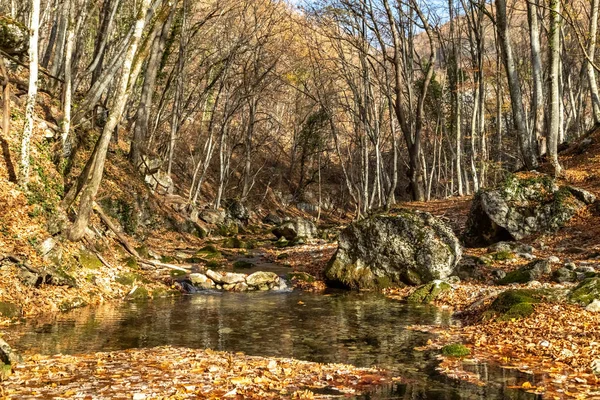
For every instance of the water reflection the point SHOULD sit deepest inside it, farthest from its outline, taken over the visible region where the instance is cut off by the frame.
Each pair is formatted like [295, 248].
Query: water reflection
[360, 329]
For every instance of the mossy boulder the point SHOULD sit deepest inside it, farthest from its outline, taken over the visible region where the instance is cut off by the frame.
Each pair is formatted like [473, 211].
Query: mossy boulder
[513, 304]
[296, 229]
[455, 350]
[242, 264]
[412, 247]
[586, 292]
[425, 294]
[522, 206]
[535, 270]
[14, 36]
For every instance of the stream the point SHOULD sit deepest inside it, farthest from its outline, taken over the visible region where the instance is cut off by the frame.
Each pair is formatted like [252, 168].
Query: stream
[363, 329]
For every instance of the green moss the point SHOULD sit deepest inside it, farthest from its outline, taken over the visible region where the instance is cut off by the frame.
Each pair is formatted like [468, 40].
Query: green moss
[228, 230]
[233, 243]
[411, 277]
[209, 249]
[132, 263]
[503, 255]
[141, 293]
[517, 276]
[283, 256]
[240, 264]
[128, 279]
[515, 304]
[168, 259]
[455, 350]
[9, 310]
[427, 293]
[521, 310]
[143, 251]
[301, 277]
[89, 260]
[5, 371]
[586, 292]
[175, 273]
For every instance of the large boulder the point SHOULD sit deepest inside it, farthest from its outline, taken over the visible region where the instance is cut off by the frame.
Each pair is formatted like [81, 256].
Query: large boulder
[236, 210]
[295, 229]
[522, 206]
[212, 216]
[412, 247]
[14, 36]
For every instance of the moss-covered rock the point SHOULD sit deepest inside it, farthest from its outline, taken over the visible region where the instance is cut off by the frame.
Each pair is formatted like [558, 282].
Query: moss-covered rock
[513, 304]
[89, 260]
[586, 292]
[412, 247]
[427, 293]
[535, 270]
[128, 279]
[455, 350]
[519, 207]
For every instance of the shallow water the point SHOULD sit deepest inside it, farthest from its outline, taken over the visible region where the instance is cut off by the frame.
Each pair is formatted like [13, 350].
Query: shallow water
[360, 329]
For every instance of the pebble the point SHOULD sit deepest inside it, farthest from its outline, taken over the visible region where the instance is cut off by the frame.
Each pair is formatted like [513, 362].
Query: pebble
[553, 259]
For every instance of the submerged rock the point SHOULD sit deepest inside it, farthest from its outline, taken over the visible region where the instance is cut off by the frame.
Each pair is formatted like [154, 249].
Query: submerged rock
[427, 293]
[520, 207]
[295, 229]
[412, 247]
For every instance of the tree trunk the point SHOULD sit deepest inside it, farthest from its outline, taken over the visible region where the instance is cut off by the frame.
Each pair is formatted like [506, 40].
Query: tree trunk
[142, 118]
[92, 183]
[591, 53]
[68, 85]
[555, 98]
[514, 87]
[537, 106]
[32, 92]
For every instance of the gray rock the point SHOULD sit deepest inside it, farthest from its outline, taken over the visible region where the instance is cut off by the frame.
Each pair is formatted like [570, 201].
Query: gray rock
[262, 278]
[514, 247]
[586, 269]
[201, 281]
[7, 355]
[527, 256]
[226, 278]
[273, 219]
[13, 36]
[297, 228]
[521, 207]
[412, 247]
[594, 306]
[571, 265]
[533, 271]
[236, 210]
[212, 216]
[563, 275]
[583, 195]
[498, 274]
[595, 366]
[553, 259]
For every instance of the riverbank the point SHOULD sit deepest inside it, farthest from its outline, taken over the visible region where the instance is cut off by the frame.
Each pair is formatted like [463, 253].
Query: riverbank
[182, 373]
